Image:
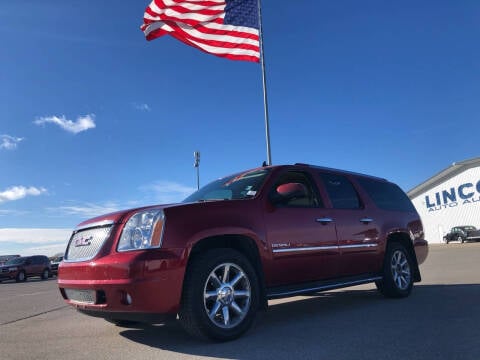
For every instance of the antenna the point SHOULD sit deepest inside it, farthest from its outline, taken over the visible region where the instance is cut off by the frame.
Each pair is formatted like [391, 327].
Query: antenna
[196, 155]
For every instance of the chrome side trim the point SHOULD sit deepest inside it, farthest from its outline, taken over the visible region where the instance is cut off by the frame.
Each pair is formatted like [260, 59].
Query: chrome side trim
[324, 220]
[357, 246]
[313, 248]
[95, 224]
[324, 287]
[366, 220]
[320, 248]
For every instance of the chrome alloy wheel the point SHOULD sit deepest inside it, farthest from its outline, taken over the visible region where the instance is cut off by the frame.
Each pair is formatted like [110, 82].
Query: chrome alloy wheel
[227, 295]
[400, 270]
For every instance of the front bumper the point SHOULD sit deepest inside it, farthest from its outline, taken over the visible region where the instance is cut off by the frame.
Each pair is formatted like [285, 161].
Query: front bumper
[135, 285]
[8, 275]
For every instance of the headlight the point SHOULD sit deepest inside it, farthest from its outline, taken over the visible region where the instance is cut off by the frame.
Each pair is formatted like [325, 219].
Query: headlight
[12, 269]
[144, 230]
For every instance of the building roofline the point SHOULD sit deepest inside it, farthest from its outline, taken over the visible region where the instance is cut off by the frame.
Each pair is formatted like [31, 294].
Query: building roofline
[454, 169]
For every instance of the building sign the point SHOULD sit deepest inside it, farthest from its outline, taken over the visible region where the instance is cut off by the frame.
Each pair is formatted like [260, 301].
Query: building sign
[465, 194]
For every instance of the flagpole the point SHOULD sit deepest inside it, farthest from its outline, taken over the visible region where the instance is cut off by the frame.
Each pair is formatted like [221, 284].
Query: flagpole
[264, 80]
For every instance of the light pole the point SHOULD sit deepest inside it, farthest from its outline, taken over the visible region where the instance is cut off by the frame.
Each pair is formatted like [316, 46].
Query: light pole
[196, 155]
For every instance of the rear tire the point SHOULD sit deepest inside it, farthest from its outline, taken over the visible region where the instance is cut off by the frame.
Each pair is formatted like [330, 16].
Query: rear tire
[460, 239]
[220, 295]
[398, 268]
[45, 274]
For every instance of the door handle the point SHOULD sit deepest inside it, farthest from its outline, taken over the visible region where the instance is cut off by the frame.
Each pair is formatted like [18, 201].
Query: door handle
[366, 220]
[324, 220]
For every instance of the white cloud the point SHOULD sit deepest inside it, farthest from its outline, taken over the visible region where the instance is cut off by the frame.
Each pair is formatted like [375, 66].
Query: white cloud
[8, 142]
[167, 192]
[141, 107]
[5, 212]
[89, 210]
[19, 192]
[82, 123]
[34, 236]
[26, 241]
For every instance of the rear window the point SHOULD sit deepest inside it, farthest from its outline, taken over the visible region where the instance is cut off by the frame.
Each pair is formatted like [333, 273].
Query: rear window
[341, 192]
[386, 195]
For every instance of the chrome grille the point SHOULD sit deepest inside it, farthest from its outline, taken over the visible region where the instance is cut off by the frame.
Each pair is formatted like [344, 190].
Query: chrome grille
[81, 296]
[85, 244]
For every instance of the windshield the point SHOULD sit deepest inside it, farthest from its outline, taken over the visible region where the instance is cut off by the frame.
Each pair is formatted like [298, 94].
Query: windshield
[236, 187]
[16, 261]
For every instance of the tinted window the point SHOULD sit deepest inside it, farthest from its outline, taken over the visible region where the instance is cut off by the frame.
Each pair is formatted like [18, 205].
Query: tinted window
[341, 191]
[386, 195]
[311, 200]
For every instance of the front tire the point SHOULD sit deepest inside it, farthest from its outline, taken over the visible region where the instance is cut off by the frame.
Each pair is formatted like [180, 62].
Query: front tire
[220, 296]
[397, 279]
[460, 239]
[21, 277]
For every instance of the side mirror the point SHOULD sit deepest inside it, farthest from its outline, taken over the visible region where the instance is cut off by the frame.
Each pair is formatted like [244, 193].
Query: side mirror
[289, 191]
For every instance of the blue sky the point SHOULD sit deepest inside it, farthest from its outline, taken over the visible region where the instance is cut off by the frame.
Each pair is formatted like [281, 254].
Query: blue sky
[93, 118]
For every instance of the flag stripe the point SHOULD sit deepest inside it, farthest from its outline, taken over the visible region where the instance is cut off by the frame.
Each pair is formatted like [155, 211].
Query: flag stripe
[183, 6]
[207, 35]
[200, 23]
[183, 11]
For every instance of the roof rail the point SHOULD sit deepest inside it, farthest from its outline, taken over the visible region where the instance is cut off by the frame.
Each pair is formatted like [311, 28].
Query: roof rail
[302, 164]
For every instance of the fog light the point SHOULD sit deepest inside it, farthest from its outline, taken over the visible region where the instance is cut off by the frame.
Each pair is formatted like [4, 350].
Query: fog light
[128, 299]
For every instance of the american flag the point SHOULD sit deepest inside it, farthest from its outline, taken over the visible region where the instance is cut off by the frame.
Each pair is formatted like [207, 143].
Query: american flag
[225, 28]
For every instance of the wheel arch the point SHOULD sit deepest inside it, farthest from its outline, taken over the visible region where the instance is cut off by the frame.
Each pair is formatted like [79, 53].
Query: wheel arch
[241, 243]
[404, 239]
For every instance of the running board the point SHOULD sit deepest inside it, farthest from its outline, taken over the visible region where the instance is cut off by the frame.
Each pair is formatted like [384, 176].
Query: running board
[286, 291]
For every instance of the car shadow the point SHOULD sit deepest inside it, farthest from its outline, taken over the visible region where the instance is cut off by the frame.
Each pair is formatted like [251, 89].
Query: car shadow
[349, 324]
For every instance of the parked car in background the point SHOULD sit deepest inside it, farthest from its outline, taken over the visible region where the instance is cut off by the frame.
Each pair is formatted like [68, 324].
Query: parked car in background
[55, 261]
[217, 258]
[462, 234]
[21, 268]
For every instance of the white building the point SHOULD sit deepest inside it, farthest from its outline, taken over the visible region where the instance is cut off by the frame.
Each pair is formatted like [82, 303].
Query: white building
[450, 198]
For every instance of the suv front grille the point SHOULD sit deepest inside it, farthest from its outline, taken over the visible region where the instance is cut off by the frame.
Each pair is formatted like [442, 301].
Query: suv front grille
[85, 244]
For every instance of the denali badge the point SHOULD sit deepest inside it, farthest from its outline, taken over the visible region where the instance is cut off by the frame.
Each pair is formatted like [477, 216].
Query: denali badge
[83, 241]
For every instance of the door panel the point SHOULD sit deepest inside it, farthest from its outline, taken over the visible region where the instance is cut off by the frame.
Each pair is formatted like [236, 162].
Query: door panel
[358, 241]
[357, 230]
[303, 249]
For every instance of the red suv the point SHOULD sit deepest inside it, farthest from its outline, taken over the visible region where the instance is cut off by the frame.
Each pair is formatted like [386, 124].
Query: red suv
[216, 258]
[20, 268]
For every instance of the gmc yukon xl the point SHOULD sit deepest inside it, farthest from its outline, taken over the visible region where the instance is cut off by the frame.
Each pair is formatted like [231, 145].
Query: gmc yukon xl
[215, 259]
